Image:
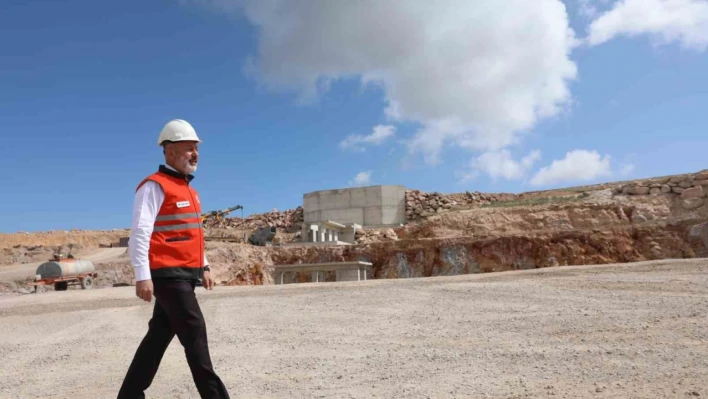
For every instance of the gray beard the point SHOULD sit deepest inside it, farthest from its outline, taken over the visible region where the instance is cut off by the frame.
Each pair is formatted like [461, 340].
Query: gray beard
[189, 169]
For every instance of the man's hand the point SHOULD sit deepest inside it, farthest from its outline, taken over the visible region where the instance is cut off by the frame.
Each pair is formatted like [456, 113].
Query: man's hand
[207, 281]
[144, 289]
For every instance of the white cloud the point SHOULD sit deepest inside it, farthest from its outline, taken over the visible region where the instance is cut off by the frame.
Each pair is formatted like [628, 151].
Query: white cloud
[379, 134]
[500, 164]
[531, 159]
[587, 9]
[476, 74]
[361, 179]
[627, 170]
[666, 21]
[577, 166]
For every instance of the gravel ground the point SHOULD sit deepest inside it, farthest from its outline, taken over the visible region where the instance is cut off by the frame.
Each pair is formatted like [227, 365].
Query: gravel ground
[615, 331]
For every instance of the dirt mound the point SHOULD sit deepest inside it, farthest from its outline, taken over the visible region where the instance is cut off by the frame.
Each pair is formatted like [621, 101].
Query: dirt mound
[84, 238]
[29, 254]
[231, 264]
[239, 264]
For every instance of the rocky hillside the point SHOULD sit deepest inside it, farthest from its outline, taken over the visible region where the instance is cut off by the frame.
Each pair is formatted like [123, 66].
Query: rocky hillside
[489, 240]
[468, 232]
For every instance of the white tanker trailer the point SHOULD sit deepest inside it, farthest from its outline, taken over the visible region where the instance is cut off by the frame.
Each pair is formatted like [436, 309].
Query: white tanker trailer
[62, 272]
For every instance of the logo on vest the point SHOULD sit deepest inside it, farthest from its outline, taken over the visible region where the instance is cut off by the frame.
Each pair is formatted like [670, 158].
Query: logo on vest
[182, 204]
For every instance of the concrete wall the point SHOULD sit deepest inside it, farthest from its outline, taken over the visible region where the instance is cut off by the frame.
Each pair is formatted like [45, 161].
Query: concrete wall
[366, 206]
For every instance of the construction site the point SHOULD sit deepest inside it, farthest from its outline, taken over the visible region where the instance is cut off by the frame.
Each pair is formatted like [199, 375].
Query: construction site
[282, 199]
[389, 291]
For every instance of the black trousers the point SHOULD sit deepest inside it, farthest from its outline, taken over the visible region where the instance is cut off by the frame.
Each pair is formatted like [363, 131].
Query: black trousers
[176, 312]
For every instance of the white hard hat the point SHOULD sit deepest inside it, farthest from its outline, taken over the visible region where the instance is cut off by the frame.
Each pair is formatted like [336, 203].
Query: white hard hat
[177, 130]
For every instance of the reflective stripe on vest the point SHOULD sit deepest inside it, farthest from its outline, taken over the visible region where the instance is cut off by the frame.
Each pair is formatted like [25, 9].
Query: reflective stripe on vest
[174, 227]
[177, 241]
[176, 216]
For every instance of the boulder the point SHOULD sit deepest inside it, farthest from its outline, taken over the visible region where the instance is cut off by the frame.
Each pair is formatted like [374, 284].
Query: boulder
[692, 203]
[655, 191]
[390, 234]
[695, 192]
[639, 190]
[686, 184]
[701, 182]
[665, 189]
[701, 175]
[677, 190]
[638, 218]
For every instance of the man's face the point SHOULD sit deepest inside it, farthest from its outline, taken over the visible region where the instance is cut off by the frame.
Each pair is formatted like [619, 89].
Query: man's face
[183, 156]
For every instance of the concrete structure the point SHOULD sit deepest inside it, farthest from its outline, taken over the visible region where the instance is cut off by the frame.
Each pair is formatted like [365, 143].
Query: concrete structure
[329, 232]
[345, 271]
[373, 206]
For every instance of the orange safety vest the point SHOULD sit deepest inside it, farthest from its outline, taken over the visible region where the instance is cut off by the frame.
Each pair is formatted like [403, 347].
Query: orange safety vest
[177, 241]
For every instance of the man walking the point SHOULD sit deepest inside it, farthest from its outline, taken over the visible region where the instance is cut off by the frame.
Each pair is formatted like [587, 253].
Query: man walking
[167, 251]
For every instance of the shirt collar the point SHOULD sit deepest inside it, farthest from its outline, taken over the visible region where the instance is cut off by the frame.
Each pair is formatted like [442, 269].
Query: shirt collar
[169, 170]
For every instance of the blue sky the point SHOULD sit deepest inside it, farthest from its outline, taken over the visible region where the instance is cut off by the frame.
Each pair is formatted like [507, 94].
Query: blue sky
[85, 87]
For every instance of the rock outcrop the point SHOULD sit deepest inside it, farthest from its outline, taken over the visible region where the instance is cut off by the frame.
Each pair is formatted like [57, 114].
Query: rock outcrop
[375, 235]
[420, 204]
[691, 189]
[464, 255]
[288, 219]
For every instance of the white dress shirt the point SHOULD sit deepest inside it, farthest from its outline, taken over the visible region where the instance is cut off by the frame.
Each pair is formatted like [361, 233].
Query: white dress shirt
[148, 201]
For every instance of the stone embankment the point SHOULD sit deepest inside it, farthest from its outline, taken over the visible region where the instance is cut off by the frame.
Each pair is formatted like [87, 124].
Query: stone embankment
[691, 189]
[287, 219]
[420, 204]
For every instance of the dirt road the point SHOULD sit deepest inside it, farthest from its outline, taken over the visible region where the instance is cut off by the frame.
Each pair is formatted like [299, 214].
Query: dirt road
[617, 331]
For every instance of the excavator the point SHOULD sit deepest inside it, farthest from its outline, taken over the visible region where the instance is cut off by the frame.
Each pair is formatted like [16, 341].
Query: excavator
[219, 215]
